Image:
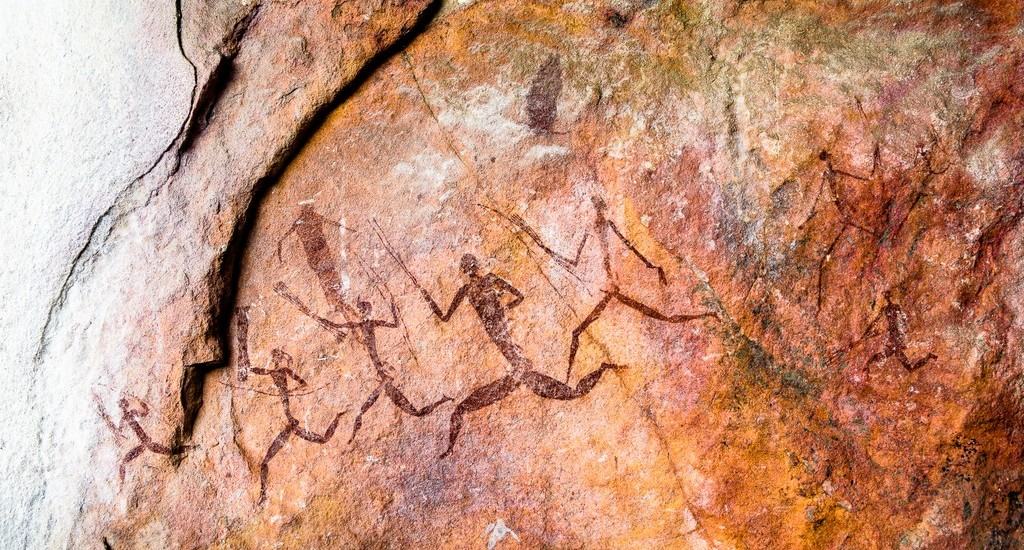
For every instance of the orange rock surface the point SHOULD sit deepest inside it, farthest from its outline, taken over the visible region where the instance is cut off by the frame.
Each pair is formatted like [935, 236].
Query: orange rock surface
[785, 236]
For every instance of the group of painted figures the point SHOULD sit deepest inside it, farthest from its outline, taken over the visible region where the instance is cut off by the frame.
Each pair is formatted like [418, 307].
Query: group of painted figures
[490, 296]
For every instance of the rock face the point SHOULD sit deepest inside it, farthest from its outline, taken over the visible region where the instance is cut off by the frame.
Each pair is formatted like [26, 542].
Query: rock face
[541, 274]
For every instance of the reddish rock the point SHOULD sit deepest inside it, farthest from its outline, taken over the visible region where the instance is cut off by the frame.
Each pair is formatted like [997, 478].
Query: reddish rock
[635, 275]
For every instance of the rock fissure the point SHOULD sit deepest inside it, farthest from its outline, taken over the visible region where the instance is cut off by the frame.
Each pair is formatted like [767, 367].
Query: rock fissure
[227, 269]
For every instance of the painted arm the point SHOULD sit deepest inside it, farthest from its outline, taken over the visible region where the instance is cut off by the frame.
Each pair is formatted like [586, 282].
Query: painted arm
[393, 323]
[444, 316]
[287, 372]
[579, 249]
[520, 223]
[869, 331]
[562, 260]
[629, 245]
[337, 328]
[459, 296]
[283, 237]
[507, 287]
[291, 374]
[118, 429]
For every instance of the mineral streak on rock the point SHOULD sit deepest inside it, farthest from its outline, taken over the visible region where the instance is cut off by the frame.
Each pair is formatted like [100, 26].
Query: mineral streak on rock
[602, 275]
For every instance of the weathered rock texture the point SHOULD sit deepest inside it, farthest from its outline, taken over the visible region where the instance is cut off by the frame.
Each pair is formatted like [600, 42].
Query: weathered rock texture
[796, 302]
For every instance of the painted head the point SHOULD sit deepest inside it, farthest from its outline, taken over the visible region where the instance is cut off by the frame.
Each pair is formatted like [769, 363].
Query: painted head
[133, 405]
[598, 203]
[364, 308]
[279, 355]
[469, 265]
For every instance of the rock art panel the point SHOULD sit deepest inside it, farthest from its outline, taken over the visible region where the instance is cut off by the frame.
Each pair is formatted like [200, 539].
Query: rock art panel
[265, 74]
[786, 325]
[644, 274]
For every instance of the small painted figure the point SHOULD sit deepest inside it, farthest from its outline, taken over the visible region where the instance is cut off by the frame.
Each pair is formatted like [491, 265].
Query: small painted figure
[280, 374]
[130, 417]
[896, 339]
[367, 327]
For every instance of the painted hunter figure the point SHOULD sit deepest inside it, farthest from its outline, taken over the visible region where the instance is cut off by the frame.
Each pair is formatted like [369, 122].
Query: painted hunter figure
[602, 227]
[280, 374]
[895, 345]
[130, 416]
[492, 297]
[367, 327]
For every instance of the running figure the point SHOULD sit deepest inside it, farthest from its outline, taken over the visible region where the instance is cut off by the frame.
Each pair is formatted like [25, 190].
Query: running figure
[130, 416]
[367, 327]
[896, 341]
[486, 293]
[280, 375]
[601, 227]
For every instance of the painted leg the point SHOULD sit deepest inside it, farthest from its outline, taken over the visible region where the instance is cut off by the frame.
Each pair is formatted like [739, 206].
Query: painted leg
[649, 311]
[590, 318]
[320, 439]
[406, 406]
[279, 442]
[366, 406]
[481, 397]
[549, 388]
[128, 457]
[911, 367]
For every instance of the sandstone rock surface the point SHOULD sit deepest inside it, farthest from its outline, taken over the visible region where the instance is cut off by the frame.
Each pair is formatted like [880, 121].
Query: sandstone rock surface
[550, 274]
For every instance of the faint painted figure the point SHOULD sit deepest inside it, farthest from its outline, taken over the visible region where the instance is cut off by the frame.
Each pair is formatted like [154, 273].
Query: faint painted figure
[896, 339]
[895, 345]
[601, 227]
[130, 416]
[367, 327]
[309, 227]
[280, 375]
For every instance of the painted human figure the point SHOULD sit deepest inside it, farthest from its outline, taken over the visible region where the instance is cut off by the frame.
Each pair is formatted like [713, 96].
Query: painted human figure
[309, 227]
[896, 339]
[487, 293]
[281, 374]
[367, 328]
[130, 417]
[603, 227]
